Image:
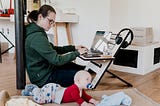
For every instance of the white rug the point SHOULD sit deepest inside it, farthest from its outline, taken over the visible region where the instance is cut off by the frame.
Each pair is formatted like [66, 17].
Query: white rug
[138, 99]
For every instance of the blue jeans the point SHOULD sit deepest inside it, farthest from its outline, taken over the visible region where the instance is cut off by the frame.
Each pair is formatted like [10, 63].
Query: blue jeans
[64, 75]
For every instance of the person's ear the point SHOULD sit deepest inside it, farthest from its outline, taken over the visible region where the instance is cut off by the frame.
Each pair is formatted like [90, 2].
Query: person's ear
[78, 81]
[40, 16]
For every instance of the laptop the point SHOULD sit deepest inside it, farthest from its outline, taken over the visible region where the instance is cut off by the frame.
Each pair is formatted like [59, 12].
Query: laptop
[99, 41]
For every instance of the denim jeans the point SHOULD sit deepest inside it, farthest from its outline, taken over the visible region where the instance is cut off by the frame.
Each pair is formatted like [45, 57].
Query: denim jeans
[64, 75]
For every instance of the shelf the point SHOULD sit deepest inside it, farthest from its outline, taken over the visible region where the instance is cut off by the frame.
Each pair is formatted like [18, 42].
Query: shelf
[4, 18]
[139, 59]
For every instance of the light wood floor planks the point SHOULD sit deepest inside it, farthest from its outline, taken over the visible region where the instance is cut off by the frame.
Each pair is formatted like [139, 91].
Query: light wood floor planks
[148, 84]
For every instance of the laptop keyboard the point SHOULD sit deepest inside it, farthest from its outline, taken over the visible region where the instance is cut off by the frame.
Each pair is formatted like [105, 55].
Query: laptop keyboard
[91, 55]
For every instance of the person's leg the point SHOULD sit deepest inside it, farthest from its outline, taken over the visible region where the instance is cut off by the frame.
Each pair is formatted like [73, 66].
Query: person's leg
[71, 65]
[64, 75]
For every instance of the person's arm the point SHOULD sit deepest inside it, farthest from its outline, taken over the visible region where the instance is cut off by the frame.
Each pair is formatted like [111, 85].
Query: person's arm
[69, 48]
[75, 94]
[41, 45]
[63, 49]
[85, 96]
[79, 99]
[72, 94]
[88, 98]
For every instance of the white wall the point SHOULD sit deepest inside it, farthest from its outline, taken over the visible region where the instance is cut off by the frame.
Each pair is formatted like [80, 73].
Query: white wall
[118, 15]
[137, 13]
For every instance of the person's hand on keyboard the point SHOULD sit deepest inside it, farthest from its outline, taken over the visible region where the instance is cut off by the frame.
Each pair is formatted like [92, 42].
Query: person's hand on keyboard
[80, 47]
[82, 50]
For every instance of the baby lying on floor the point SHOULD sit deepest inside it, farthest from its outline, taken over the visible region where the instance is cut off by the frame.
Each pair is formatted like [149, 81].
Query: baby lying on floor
[54, 93]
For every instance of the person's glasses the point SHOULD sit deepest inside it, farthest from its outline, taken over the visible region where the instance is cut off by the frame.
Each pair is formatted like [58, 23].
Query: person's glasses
[51, 21]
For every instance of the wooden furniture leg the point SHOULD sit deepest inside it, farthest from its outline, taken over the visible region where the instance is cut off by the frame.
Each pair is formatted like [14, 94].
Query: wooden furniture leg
[55, 35]
[68, 33]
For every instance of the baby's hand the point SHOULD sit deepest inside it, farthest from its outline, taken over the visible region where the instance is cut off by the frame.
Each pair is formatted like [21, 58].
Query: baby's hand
[87, 104]
[95, 102]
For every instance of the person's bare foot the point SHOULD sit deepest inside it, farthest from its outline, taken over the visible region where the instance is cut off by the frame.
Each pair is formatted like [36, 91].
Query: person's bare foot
[4, 96]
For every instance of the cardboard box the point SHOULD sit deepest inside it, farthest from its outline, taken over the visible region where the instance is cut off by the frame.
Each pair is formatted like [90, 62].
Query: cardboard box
[142, 35]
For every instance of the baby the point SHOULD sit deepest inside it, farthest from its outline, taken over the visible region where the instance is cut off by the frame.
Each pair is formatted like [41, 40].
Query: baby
[52, 92]
[82, 80]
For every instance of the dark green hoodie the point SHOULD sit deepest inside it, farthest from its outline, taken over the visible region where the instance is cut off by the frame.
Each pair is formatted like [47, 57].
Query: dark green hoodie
[42, 56]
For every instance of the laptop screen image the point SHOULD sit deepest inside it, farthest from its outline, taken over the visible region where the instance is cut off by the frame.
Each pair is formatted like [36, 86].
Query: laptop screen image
[100, 40]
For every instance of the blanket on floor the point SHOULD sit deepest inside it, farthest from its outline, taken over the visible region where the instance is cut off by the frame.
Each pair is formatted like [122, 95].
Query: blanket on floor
[138, 99]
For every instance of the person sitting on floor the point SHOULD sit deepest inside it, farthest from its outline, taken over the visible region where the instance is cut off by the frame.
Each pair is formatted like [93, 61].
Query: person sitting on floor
[52, 92]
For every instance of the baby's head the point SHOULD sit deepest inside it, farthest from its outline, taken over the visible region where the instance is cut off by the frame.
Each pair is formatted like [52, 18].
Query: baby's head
[82, 79]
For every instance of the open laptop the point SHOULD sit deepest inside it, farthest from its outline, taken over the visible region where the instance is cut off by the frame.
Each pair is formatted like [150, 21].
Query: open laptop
[99, 41]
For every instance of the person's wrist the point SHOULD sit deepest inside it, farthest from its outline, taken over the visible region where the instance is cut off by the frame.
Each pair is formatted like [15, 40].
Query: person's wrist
[76, 48]
[77, 52]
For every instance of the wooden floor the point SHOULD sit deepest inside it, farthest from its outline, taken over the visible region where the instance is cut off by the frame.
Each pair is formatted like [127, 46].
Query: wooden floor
[148, 84]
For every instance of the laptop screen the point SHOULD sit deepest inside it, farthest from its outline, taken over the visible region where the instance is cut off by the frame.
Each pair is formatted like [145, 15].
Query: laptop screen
[100, 40]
